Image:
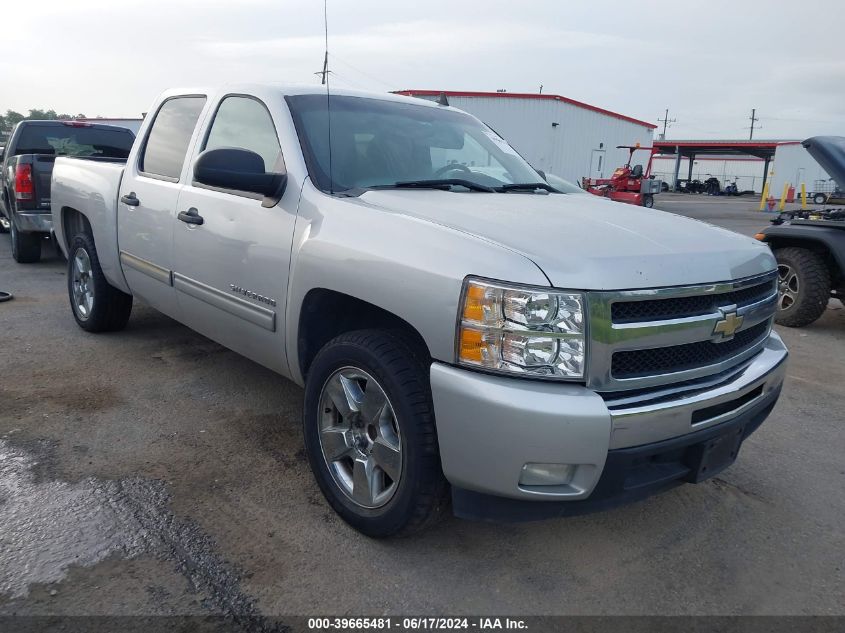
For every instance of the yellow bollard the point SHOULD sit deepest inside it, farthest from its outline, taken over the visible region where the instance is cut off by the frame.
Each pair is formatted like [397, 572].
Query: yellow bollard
[764, 196]
[803, 197]
[782, 204]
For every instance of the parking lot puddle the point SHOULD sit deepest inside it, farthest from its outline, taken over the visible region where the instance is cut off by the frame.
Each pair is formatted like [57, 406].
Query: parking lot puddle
[48, 525]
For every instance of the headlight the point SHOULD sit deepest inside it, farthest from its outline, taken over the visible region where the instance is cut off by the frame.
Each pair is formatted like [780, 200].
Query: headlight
[524, 331]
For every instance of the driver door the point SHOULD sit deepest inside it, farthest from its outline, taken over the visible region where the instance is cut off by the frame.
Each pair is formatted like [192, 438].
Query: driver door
[231, 271]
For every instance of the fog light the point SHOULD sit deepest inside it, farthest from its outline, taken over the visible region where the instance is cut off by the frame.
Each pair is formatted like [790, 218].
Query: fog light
[546, 474]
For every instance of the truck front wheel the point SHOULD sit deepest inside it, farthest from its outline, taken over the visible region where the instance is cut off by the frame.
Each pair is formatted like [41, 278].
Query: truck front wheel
[803, 286]
[370, 435]
[97, 306]
[26, 247]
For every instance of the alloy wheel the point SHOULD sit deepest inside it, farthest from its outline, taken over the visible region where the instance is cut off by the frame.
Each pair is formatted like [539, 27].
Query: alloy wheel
[360, 438]
[82, 284]
[787, 287]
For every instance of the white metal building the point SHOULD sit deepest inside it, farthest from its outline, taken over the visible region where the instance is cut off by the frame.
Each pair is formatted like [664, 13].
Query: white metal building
[794, 165]
[559, 135]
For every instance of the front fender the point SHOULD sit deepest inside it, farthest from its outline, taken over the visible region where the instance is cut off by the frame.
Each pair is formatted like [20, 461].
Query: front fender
[829, 239]
[409, 267]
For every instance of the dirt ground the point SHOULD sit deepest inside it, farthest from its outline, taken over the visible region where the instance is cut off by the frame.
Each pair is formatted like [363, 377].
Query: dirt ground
[154, 472]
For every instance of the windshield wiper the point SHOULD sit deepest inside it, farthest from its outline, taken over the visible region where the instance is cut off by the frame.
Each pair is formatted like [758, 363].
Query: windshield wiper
[527, 186]
[443, 183]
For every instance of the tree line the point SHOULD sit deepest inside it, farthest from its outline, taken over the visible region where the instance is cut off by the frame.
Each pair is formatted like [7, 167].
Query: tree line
[12, 118]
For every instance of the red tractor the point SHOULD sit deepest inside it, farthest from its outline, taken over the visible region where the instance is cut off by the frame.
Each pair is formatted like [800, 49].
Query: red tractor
[627, 184]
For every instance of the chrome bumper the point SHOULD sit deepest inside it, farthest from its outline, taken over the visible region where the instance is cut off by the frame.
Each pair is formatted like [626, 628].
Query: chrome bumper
[34, 222]
[677, 410]
[489, 427]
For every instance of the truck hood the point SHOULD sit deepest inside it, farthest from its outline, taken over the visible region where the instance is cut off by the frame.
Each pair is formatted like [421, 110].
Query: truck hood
[829, 152]
[585, 243]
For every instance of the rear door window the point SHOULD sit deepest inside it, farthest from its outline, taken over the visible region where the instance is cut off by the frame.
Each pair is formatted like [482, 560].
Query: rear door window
[169, 137]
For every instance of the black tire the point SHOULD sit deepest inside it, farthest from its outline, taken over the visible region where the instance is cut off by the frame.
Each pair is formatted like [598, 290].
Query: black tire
[421, 489]
[819, 198]
[26, 247]
[648, 201]
[809, 297]
[110, 308]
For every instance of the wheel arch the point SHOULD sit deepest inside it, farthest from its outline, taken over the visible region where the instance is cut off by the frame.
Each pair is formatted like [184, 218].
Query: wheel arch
[326, 314]
[830, 245]
[73, 221]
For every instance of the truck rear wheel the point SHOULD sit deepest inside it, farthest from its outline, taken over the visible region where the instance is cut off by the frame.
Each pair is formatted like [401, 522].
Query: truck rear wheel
[819, 198]
[97, 306]
[26, 247]
[803, 286]
[370, 435]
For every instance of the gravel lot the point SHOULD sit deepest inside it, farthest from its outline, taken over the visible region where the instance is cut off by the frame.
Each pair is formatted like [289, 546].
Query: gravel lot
[154, 472]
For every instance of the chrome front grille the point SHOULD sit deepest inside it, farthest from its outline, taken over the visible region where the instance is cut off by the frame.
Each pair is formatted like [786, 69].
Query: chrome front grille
[645, 338]
[678, 307]
[663, 360]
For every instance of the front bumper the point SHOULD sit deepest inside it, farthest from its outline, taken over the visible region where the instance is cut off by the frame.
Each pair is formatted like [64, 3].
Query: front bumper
[489, 427]
[34, 222]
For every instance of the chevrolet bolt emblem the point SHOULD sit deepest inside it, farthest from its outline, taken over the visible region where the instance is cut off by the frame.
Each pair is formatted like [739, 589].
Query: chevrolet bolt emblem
[728, 325]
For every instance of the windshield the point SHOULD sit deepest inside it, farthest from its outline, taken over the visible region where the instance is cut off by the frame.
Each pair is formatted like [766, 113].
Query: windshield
[563, 186]
[73, 140]
[380, 143]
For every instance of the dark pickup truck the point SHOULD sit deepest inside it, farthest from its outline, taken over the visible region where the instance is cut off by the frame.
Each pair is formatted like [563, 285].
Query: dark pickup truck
[28, 166]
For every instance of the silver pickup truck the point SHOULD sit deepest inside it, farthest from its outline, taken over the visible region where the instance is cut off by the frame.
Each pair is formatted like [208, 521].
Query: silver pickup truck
[462, 329]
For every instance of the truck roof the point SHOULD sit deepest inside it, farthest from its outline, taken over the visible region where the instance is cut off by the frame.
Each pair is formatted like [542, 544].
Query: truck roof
[285, 89]
[66, 122]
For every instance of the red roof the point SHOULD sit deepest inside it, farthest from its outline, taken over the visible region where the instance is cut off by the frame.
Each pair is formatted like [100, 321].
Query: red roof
[524, 95]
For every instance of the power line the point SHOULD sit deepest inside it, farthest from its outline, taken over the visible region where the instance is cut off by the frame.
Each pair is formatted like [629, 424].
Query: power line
[361, 72]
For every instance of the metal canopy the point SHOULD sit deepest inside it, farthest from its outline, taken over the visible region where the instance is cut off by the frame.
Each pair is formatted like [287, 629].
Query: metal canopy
[764, 149]
[759, 149]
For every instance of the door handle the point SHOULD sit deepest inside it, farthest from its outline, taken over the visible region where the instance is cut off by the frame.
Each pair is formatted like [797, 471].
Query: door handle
[191, 216]
[130, 199]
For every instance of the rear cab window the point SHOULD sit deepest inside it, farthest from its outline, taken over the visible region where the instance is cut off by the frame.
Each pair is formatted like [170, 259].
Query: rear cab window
[75, 139]
[170, 135]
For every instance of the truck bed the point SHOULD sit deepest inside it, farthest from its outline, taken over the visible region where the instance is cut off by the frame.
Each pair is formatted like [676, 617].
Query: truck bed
[90, 186]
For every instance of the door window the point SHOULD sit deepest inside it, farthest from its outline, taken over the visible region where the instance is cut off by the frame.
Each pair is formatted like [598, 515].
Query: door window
[245, 123]
[167, 143]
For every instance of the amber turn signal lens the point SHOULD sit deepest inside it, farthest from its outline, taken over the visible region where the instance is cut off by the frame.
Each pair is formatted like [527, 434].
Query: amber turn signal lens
[472, 345]
[760, 236]
[474, 303]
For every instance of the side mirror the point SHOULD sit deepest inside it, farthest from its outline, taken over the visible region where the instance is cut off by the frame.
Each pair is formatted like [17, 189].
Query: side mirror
[238, 169]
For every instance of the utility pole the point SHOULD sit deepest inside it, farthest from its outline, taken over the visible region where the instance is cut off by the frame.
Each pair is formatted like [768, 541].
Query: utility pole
[754, 119]
[666, 121]
[325, 70]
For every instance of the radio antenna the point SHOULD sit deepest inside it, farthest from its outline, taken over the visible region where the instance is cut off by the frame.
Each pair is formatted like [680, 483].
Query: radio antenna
[328, 91]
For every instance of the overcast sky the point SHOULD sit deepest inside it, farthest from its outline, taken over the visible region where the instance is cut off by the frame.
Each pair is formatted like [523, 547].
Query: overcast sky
[708, 62]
